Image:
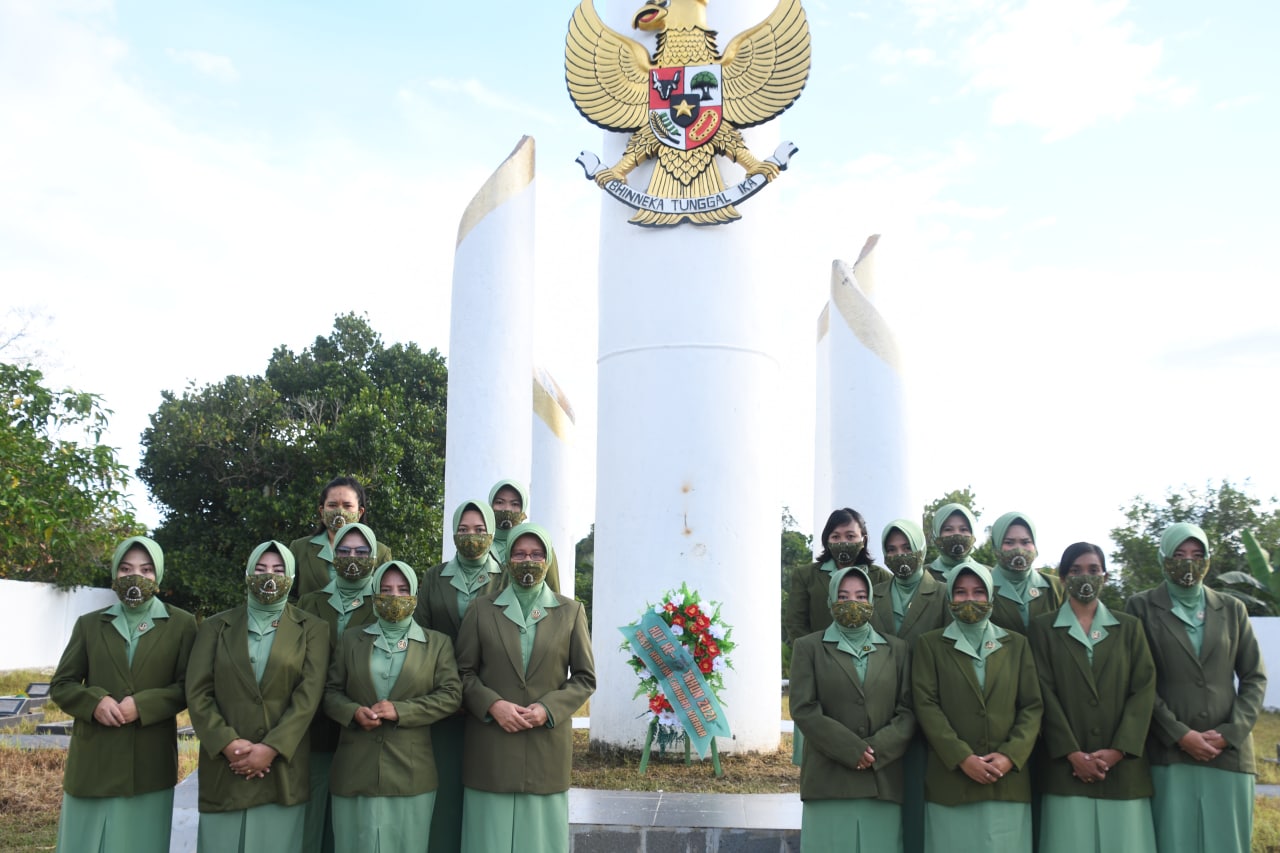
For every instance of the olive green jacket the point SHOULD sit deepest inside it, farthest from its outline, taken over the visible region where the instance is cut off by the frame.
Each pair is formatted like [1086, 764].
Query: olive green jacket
[807, 607]
[141, 757]
[1006, 614]
[312, 573]
[1198, 692]
[227, 703]
[1087, 707]
[438, 601]
[395, 759]
[324, 731]
[960, 719]
[927, 611]
[535, 761]
[841, 715]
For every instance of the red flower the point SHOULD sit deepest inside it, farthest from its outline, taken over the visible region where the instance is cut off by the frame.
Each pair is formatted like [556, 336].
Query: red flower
[677, 620]
[702, 623]
[692, 610]
[705, 666]
[669, 607]
[713, 649]
[659, 703]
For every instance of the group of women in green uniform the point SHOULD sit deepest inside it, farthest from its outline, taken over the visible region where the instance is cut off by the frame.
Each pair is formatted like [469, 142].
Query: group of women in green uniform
[376, 711]
[959, 706]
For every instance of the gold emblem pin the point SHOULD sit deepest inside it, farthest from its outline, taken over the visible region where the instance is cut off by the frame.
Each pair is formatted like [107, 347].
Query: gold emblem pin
[275, 623]
[990, 644]
[143, 626]
[1035, 593]
[402, 645]
[1097, 635]
[536, 614]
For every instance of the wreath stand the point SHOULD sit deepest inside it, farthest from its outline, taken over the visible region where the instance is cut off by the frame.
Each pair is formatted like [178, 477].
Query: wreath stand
[688, 757]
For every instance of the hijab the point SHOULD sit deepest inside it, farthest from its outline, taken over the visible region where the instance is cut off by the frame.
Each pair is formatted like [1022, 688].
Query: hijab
[261, 614]
[132, 622]
[528, 595]
[1188, 601]
[501, 538]
[349, 588]
[394, 631]
[902, 590]
[978, 639]
[859, 641]
[393, 636]
[945, 563]
[467, 565]
[1017, 586]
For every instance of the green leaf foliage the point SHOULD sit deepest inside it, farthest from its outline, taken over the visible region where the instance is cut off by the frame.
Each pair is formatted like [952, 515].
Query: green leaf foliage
[239, 461]
[62, 503]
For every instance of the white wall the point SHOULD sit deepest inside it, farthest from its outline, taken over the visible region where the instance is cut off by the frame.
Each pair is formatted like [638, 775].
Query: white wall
[1268, 630]
[36, 621]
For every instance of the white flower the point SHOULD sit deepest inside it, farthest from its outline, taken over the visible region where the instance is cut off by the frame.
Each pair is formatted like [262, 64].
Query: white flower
[717, 665]
[659, 609]
[648, 716]
[677, 630]
[715, 631]
[667, 718]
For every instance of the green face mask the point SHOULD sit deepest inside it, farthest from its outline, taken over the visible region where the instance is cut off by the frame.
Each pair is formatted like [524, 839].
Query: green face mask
[1084, 588]
[472, 545]
[507, 518]
[970, 612]
[394, 608]
[851, 614]
[1017, 559]
[904, 566]
[354, 568]
[134, 590]
[1185, 572]
[268, 588]
[335, 519]
[844, 553]
[529, 573]
[955, 546]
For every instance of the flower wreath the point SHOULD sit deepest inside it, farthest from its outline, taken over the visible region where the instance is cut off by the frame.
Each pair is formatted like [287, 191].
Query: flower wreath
[698, 625]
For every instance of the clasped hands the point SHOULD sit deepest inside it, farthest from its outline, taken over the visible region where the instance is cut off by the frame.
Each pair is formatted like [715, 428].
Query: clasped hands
[1203, 746]
[248, 759]
[517, 718]
[115, 714]
[1091, 767]
[370, 717]
[987, 769]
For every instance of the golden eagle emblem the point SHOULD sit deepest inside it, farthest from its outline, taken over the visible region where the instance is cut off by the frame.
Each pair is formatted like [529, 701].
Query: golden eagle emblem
[686, 103]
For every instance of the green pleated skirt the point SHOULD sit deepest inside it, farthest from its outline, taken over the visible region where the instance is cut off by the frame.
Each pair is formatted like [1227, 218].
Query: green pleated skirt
[1201, 809]
[139, 824]
[1087, 825]
[991, 826]
[514, 823]
[850, 826]
[446, 745]
[383, 824]
[269, 828]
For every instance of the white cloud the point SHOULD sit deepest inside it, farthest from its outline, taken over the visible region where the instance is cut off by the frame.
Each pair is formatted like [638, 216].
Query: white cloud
[211, 65]
[1238, 102]
[478, 93]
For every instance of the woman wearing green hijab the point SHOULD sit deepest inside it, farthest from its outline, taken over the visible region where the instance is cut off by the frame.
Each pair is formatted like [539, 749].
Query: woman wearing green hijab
[977, 699]
[953, 527]
[851, 696]
[510, 502]
[447, 591]
[1209, 688]
[345, 602]
[342, 502]
[389, 682]
[514, 650]
[254, 682]
[1099, 686]
[121, 678]
[909, 604]
[1022, 593]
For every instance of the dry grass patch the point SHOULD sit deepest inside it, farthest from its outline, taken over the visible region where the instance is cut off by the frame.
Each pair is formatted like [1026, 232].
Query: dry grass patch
[619, 770]
[30, 797]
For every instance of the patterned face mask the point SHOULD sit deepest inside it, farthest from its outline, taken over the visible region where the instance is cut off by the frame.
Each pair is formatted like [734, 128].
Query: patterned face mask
[134, 590]
[970, 612]
[529, 573]
[508, 518]
[394, 608]
[472, 545]
[1017, 559]
[268, 588]
[1084, 588]
[335, 519]
[354, 568]
[844, 553]
[956, 546]
[904, 566]
[851, 614]
[1184, 571]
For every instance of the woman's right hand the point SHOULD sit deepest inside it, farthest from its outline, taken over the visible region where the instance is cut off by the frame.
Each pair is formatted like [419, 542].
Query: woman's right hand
[1193, 743]
[507, 714]
[108, 713]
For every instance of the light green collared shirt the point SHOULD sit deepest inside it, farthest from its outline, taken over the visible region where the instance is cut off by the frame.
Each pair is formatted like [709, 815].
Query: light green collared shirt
[1102, 619]
[132, 623]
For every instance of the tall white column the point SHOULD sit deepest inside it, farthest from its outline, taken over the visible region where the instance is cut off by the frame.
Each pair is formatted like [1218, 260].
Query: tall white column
[686, 473]
[551, 492]
[489, 419]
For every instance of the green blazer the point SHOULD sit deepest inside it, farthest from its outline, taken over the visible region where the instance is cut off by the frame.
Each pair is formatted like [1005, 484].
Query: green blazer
[807, 608]
[928, 610]
[536, 761]
[960, 719]
[1087, 707]
[227, 703]
[324, 731]
[1006, 614]
[438, 601]
[1198, 692]
[141, 757]
[312, 573]
[841, 715]
[395, 759]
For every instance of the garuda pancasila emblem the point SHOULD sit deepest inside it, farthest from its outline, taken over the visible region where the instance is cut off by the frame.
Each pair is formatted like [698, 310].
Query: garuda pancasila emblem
[686, 103]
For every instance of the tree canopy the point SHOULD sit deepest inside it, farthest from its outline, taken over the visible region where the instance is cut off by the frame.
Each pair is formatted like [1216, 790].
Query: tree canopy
[243, 460]
[62, 504]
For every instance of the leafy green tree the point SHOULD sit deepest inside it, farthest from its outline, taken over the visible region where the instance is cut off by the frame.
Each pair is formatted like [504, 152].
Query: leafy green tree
[242, 460]
[984, 552]
[706, 81]
[584, 569]
[62, 503]
[797, 552]
[1224, 511]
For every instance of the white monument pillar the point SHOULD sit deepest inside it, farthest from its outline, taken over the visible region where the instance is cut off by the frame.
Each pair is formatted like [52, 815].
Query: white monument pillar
[686, 472]
[861, 452]
[489, 419]
[551, 491]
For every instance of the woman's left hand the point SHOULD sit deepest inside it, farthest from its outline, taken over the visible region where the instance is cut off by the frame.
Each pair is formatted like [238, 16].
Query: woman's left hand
[535, 714]
[1106, 759]
[128, 709]
[868, 758]
[256, 762]
[385, 711]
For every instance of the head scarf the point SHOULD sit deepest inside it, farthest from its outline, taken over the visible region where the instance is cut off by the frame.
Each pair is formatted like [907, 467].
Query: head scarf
[854, 641]
[978, 635]
[527, 595]
[1174, 535]
[524, 503]
[915, 539]
[149, 545]
[347, 587]
[944, 562]
[257, 609]
[134, 620]
[469, 566]
[397, 629]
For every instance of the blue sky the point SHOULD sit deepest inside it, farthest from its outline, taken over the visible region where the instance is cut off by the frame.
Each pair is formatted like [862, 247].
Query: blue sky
[1077, 202]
